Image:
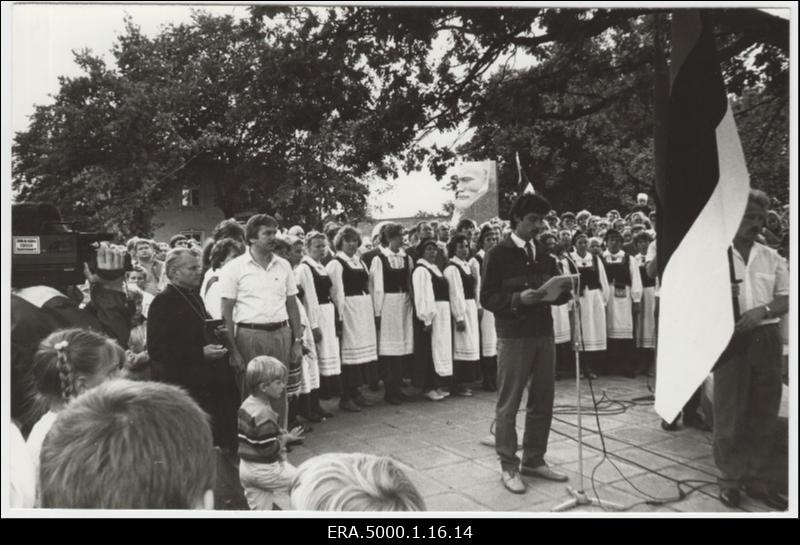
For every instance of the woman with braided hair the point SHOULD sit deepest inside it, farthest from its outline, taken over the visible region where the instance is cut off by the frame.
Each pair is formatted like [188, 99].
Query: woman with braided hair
[67, 363]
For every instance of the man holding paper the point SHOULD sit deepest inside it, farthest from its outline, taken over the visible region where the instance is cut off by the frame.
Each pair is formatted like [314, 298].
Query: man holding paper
[515, 273]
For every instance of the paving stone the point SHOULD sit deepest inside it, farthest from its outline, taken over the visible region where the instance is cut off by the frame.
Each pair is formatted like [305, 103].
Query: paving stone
[650, 460]
[451, 501]
[426, 485]
[299, 455]
[608, 471]
[639, 435]
[461, 475]
[683, 446]
[627, 503]
[684, 472]
[397, 443]
[371, 431]
[439, 444]
[697, 502]
[446, 435]
[494, 495]
[471, 448]
[430, 457]
[649, 486]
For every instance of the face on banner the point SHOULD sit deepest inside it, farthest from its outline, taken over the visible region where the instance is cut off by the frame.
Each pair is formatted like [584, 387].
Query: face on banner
[476, 191]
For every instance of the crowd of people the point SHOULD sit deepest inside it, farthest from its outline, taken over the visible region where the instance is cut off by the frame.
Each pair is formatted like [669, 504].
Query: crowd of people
[261, 322]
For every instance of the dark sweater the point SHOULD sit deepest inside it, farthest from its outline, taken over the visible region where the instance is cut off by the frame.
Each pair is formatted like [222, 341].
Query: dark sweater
[506, 275]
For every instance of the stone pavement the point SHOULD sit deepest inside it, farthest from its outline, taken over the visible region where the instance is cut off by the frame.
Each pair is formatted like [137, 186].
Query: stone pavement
[440, 443]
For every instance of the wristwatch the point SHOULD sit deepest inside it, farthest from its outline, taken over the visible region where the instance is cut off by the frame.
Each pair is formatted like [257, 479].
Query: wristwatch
[767, 310]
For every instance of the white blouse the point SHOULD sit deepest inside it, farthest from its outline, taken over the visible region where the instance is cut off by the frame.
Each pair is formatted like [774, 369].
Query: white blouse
[636, 278]
[306, 280]
[587, 261]
[335, 271]
[458, 304]
[397, 261]
[424, 299]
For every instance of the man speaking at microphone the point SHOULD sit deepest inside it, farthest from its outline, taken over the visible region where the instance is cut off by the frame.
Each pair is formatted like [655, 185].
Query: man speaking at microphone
[514, 271]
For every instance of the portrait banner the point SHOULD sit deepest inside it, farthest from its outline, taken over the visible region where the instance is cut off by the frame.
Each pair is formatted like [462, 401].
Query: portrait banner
[476, 195]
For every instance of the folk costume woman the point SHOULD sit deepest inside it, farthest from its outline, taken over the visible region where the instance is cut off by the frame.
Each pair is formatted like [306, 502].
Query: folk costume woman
[353, 304]
[486, 241]
[464, 309]
[625, 287]
[317, 287]
[390, 285]
[646, 320]
[434, 354]
[594, 292]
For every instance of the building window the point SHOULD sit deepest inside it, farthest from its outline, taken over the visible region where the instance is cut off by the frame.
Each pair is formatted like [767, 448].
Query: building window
[190, 198]
[197, 235]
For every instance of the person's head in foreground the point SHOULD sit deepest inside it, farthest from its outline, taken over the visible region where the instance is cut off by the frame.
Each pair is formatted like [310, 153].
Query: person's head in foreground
[129, 445]
[353, 482]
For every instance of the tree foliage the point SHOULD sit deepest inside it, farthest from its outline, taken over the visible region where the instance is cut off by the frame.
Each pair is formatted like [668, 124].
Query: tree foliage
[289, 110]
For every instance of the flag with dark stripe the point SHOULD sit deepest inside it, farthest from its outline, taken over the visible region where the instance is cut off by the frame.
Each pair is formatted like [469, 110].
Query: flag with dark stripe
[701, 195]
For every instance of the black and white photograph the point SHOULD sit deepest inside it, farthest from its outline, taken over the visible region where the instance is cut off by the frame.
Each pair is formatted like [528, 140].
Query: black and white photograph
[441, 260]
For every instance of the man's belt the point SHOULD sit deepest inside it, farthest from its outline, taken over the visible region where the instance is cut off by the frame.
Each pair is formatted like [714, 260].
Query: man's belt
[264, 327]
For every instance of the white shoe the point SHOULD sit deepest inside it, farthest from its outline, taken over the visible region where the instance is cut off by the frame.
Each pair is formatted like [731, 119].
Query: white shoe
[443, 393]
[434, 395]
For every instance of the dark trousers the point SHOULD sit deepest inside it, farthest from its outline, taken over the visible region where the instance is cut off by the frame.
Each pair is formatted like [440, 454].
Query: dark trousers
[747, 396]
[521, 362]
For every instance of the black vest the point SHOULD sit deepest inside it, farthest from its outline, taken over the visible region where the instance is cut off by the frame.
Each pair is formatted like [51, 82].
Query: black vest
[619, 274]
[467, 282]
[590, 276]
[394, 280]
[355, 281]
[647, 282]
[441, 291]
[322, 285]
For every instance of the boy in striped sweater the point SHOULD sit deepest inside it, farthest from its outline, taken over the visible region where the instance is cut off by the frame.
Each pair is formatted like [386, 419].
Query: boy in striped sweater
[263, 469]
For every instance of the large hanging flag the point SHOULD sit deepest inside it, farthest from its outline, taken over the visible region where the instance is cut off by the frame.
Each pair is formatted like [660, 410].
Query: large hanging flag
[702, 196]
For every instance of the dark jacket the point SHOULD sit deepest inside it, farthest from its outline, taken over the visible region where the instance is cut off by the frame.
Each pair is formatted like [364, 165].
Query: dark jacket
[175, 339]
[505, 275]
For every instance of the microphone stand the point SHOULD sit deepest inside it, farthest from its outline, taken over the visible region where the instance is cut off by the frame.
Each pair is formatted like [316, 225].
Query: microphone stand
[579, 497]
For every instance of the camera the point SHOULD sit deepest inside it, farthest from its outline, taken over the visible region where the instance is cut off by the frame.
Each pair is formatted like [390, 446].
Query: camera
[48, 251]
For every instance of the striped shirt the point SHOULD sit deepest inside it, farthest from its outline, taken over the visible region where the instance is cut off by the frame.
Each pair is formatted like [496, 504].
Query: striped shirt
[259, 433]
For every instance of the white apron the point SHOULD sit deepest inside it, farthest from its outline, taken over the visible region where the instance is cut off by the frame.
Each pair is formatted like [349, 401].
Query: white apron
[442, 340]
[592, 333]
[397, 326]
[646, 323]
[358, 331]
[561, 326]
[330, 364]
[465, 343]
[309, 368]
[488, 335]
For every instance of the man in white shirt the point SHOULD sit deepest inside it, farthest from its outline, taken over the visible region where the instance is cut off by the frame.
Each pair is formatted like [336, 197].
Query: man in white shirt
[259, 304]
[747, 379]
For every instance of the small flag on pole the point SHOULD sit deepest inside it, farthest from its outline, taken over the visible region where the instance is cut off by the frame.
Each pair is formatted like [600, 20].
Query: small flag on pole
[524, 184]
[702, 194]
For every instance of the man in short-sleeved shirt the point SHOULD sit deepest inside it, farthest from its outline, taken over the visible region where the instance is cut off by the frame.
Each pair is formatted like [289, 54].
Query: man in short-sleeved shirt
[747, 379]
[259, 304]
